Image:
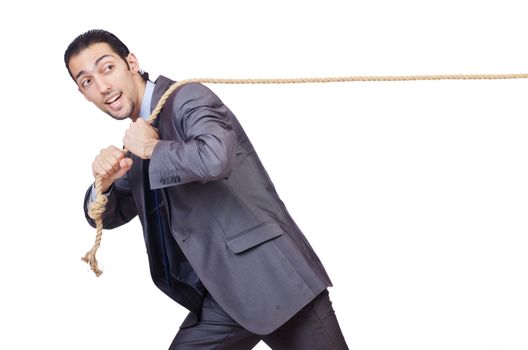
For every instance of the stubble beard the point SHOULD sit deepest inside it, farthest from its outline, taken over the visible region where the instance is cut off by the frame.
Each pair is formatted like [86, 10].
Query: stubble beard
[125, 112]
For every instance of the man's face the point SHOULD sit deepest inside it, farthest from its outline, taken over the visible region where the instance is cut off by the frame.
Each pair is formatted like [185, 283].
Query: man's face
[105, 79]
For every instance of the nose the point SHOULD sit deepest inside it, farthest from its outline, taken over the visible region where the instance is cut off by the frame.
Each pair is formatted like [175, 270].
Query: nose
[102, 85]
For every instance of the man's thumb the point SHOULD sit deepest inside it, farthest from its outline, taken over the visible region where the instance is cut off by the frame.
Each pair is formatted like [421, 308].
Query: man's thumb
[125, 164]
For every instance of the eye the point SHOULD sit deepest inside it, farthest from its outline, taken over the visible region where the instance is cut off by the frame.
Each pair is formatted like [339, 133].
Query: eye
[86, 82]
[108, 67]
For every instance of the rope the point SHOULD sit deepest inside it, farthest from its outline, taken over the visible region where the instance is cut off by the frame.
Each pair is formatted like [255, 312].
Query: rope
[97, 207]
[95, 211]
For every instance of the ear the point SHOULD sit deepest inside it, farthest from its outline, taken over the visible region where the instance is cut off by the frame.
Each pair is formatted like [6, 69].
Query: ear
[133, 63]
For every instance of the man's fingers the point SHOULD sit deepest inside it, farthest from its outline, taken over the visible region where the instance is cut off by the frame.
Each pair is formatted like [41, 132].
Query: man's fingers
[98, 169]
[111, 162]
[117, 153]
[125, 165]
[107, 162]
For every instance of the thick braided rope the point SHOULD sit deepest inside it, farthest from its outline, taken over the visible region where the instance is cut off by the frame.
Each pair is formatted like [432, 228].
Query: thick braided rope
[95, 211]
[97, 207]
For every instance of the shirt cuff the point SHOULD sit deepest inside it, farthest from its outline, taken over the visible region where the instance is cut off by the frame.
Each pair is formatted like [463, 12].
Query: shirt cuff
[93, 196]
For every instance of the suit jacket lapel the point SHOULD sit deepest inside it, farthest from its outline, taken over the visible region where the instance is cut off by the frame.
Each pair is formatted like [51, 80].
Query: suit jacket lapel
[162, 84]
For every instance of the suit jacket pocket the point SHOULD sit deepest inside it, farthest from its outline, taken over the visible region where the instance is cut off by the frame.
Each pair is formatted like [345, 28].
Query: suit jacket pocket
[254, 236]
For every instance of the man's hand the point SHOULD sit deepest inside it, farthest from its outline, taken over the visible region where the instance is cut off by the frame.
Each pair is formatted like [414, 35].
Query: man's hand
[141, 138]
[111, 164]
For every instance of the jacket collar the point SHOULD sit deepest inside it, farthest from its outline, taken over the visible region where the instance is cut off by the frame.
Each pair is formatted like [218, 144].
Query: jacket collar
[162, 84]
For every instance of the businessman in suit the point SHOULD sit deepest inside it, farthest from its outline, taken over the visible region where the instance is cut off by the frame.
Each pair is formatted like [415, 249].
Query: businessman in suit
[220, 242]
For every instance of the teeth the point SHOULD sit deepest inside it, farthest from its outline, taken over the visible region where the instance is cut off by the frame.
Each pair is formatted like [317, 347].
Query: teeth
[113, 99]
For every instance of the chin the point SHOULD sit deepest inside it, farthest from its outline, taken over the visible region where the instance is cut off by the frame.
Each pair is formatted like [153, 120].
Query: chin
[123, 113]
[118, 117]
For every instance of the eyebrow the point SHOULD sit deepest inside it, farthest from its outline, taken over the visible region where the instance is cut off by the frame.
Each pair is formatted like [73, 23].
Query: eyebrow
[95, 64]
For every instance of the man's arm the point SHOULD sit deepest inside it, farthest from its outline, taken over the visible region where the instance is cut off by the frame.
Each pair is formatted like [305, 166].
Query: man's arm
[120, 208]
[209, 147]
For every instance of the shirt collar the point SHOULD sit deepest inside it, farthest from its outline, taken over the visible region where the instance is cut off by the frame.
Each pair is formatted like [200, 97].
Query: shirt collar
[144, 110]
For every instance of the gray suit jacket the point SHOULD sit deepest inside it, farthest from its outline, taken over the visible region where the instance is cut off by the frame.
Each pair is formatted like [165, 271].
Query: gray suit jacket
[223, 210]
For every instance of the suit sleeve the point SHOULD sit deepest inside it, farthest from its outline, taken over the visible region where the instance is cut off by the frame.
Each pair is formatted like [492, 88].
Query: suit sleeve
[208, 149]
[120, 207]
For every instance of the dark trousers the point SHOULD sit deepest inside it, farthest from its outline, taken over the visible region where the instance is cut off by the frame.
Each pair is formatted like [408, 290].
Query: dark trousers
[315, 327]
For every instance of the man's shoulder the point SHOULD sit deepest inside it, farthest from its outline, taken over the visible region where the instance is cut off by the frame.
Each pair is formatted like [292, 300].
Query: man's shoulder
[191, 87]
[188, 95]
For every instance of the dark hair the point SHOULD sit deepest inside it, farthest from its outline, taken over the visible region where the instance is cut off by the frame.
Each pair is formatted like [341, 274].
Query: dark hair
[91, 37]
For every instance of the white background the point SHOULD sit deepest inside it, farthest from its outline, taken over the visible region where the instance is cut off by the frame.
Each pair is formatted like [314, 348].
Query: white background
[413, 194]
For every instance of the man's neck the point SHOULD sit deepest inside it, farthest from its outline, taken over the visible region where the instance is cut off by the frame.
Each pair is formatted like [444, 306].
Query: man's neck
[144, 110]
[140, 83]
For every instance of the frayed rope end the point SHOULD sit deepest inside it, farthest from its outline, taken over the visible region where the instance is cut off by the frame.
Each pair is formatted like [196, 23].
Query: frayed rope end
[90, 259]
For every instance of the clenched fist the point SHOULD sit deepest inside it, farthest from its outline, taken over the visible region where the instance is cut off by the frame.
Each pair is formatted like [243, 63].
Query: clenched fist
[111, 164]
[141, 138]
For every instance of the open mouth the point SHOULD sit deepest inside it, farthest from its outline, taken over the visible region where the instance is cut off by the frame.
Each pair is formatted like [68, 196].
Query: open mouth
[113, 99]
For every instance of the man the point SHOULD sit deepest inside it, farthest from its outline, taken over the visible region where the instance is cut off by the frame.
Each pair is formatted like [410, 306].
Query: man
[220, 241]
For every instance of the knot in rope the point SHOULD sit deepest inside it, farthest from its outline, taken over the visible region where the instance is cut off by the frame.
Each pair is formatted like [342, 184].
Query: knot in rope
[95, 211]
[97, 207]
